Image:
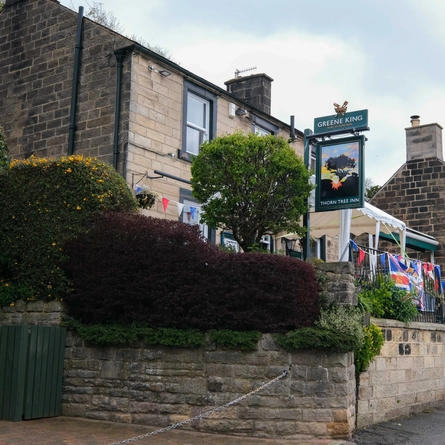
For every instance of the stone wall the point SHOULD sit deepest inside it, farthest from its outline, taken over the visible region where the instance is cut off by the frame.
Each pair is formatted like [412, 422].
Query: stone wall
[159, 386]
[38, 39]
[339, 283]
[408, 375]
[33, 313]
[415, 194]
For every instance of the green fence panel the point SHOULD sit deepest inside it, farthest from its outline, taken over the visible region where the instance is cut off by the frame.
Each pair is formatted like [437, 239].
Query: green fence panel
[43, 392]
[13, 356]
[31, 371]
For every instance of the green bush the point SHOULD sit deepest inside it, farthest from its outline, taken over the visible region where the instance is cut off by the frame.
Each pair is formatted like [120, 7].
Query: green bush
[383, 299]
[114, 334]
[372, 343]
[244, 340]
[43, 203]
[339, 329]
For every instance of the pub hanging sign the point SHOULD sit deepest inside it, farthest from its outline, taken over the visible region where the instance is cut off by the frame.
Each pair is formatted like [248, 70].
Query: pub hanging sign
[340, 174]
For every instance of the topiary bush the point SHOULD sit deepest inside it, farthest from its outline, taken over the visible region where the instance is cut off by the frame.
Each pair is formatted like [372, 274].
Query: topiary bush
[135, 268]
[43, 203]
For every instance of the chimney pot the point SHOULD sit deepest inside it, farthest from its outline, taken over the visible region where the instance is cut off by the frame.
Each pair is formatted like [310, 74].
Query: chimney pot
[415, 120]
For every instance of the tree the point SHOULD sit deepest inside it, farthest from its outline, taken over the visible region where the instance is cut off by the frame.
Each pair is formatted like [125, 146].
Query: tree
[251, 185]
[370, 188]
[98, 13]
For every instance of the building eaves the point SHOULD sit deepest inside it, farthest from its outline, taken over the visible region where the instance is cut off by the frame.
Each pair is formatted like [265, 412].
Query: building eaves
[137, 48]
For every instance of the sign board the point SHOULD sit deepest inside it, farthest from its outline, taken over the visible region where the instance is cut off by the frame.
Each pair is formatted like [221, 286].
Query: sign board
[340, 174]
[354, 121]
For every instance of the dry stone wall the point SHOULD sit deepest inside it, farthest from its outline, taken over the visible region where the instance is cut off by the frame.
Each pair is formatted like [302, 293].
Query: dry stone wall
[408, 376]
[159, 386]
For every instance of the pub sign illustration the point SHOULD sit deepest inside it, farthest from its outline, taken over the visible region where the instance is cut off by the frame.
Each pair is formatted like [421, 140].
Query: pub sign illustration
[340, 174]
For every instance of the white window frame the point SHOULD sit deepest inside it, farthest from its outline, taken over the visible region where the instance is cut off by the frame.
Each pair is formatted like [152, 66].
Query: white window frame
[203, 131]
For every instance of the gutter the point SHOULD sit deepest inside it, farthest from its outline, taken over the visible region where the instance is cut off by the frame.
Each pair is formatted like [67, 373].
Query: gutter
[77, 55]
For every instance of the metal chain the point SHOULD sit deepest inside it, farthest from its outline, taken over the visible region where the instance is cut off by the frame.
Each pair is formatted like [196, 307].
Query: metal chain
[207, 413]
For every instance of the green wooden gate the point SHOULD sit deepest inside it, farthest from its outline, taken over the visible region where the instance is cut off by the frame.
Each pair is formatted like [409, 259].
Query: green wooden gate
[31, 371]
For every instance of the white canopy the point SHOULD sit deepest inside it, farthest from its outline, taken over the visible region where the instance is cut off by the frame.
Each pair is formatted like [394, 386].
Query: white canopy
[368, 219]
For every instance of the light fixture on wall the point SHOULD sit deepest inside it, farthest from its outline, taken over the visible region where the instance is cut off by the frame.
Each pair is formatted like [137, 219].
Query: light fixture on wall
[241, 111]
[164, 72]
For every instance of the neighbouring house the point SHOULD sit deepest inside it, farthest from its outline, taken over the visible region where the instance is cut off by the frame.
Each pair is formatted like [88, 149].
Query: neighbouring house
[71, 86]
[415, 193]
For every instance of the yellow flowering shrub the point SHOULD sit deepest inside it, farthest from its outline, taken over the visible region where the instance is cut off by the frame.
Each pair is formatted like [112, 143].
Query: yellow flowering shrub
[43, 203]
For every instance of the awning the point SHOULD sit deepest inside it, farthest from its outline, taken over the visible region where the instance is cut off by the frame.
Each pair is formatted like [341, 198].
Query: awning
[372, 220]
[363, 220]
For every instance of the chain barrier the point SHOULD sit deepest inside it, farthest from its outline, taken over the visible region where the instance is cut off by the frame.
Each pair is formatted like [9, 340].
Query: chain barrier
[207, 413]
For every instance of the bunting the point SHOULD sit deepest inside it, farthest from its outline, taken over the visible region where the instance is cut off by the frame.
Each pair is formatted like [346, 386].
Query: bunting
[165, 202]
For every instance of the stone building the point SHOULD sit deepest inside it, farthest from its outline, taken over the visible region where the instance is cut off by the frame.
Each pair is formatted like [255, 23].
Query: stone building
[416, 192]
[71, 86]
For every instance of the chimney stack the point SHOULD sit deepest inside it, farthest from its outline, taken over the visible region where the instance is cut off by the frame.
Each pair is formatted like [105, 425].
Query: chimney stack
[255, 90]
[423, 141]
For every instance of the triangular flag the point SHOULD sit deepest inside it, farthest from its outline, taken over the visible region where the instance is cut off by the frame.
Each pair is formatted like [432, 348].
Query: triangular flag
[354, 246]
[165, 202]
[189, 216]
[361, 256]
[192, 211]
[180, 207]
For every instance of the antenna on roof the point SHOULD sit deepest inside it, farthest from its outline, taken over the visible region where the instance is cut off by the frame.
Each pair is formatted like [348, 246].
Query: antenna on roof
[238, 72]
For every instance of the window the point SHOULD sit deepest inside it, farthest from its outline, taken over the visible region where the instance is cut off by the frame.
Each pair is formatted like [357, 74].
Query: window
[191, 214]
[261, 131]
[262, 127]
[199, 119]
[197, 123]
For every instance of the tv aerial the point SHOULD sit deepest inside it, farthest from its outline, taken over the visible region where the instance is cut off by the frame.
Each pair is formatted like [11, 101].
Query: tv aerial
[238, 72]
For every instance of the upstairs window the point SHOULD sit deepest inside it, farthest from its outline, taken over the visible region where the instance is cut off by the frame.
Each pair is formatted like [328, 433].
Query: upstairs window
[197, 122]
[262, 127]
[199, 119]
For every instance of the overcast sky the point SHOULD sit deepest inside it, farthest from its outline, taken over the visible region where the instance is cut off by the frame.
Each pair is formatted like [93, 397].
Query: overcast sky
[387, 56]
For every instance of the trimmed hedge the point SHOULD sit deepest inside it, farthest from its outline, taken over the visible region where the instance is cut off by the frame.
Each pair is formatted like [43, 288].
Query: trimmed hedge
[135, 268]
[44, 202]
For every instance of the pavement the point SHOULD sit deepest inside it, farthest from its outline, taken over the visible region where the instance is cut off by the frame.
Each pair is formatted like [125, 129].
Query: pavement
[425, 428]
[79, 431]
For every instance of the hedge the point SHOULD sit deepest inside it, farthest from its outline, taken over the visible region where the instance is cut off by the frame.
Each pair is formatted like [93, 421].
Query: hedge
[131, 268]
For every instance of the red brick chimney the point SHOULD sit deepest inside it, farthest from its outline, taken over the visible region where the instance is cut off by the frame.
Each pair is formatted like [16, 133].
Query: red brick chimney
[423, 141]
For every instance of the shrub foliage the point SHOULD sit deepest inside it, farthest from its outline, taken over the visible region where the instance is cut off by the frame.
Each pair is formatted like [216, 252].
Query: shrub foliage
[383, 299]
[372, 344]
[44, 202]
[135, 268]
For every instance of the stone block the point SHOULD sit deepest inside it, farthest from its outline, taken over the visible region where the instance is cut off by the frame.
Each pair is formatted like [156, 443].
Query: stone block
[318, 415]
[105, 403]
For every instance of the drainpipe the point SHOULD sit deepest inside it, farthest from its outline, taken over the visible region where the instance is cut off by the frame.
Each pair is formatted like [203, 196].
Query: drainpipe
[77, 54]
[120, 55]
